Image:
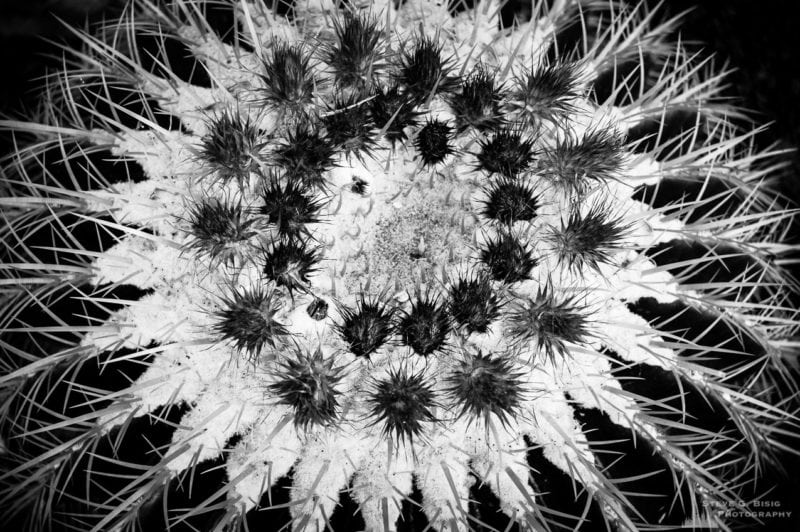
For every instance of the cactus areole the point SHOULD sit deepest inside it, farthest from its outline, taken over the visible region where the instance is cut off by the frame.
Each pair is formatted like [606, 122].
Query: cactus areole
[390, 266]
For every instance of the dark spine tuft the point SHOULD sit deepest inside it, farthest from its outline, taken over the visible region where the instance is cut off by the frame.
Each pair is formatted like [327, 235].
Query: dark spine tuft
[507, 259]
[509, 201]
[507, 153]
[224, 232]
[423, 70]
[479, 103]
[474, 304]
[546, 93]
[366, 327]
[433, 142]
[597, 156]
[247, 321]
[231, 148]
[402, 402]
[358, 55]
[588, 239]
[550, 321]
[483, 385]
[393, 112]
[289, 81]
[290, 262]
[289, 207]
[305, 156]
[307, 384]
[424, 328]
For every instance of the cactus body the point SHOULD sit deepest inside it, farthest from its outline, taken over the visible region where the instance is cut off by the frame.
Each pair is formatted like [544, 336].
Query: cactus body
[390, 267]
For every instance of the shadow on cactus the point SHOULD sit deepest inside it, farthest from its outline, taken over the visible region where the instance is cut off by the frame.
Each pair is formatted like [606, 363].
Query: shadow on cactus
[381, 267]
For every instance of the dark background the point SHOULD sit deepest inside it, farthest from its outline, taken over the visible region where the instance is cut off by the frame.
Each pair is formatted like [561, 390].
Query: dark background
[761, 40]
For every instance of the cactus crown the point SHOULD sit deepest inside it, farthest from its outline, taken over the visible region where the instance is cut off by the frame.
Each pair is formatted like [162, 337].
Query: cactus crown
[472, 288]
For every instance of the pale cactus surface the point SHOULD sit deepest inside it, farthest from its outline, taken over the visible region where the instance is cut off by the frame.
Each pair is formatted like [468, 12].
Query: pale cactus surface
[391, 266]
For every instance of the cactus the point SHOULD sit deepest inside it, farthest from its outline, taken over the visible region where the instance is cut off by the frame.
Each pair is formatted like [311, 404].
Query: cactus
[391, 266]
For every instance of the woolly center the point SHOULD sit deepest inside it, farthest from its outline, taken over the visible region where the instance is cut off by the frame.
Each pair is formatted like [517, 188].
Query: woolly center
[416, 237]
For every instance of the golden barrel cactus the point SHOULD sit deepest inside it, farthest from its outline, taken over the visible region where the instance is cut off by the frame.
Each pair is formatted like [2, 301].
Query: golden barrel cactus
[390, 266]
